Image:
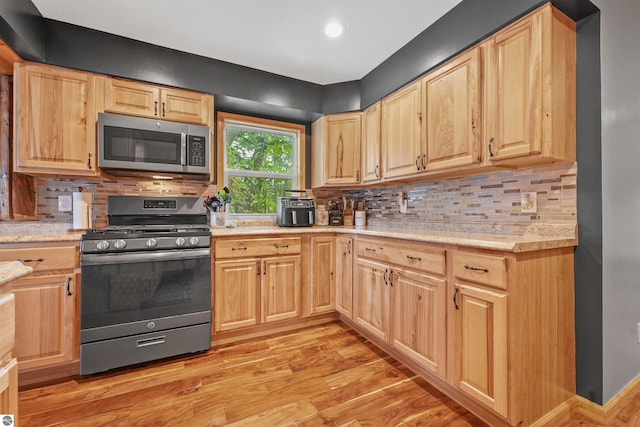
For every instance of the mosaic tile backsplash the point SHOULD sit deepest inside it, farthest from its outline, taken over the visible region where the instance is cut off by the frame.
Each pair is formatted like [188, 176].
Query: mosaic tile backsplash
[488, 199]
[482, 199]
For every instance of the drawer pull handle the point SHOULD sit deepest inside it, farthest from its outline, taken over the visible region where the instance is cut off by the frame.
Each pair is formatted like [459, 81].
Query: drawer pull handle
[239, 249]
[455, 298]
[281, 246]
[68, 286]
[469, 267]
[386, 282]
[349, 247]
[150, 341]
[370, 249]
[31, 260]
[414, 258]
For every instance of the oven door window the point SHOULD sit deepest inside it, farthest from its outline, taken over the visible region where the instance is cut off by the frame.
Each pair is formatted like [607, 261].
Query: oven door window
[142, 146]
[122, 292]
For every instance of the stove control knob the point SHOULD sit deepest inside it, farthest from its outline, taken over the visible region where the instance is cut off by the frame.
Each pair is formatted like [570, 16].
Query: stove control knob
[102, 245]
[120, 244]
[151, 243]
[180, 241]
[194, 241]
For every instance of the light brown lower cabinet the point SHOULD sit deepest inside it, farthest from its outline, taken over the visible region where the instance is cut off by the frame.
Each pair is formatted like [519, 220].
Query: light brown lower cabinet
[46, 311]
[45, 320]
[400, 305]
[256, 281]
[495, 330]
[344, 275]
[323, 279]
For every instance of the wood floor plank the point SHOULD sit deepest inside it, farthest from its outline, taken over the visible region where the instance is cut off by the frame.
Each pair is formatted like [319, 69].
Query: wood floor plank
[326, 373]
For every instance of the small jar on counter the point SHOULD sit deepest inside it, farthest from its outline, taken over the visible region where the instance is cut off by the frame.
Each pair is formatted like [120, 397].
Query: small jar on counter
[322, 215]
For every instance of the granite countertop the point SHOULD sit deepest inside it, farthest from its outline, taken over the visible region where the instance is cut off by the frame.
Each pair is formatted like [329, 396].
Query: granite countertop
[494, 237]
[10, 270]
[33, 231]
[547, 239]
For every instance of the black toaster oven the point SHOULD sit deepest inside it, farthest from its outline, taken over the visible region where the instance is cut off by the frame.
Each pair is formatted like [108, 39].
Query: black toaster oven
[295, 211]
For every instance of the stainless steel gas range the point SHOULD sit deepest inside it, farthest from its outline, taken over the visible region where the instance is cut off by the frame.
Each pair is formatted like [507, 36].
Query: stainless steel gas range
[146, 283]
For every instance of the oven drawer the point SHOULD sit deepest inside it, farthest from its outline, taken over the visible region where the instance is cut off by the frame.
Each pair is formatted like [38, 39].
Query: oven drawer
[43, 259]
[109, 354]
[242, 248]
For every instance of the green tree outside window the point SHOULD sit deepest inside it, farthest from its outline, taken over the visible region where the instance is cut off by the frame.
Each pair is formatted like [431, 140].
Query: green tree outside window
[259, 165]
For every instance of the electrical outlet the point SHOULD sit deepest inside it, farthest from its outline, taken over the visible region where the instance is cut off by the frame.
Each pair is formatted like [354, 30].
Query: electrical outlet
[64, 203]
[529, 202]
[402, 202]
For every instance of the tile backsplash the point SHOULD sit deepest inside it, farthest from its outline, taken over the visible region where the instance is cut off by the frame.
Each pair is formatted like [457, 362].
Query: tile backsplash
[481, 199]
[50, 188]
[489, 199]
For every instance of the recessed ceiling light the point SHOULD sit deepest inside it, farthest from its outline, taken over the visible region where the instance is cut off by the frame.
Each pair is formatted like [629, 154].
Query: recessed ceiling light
[334, 29]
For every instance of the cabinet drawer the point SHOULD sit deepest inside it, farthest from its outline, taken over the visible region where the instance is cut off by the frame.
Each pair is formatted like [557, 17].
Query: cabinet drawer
[7, 324]
[417, 257]
[42, 259]
[241, 248]
[489, 270]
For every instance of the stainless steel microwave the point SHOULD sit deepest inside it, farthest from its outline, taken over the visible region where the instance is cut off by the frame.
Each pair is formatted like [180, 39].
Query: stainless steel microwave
[127, 142]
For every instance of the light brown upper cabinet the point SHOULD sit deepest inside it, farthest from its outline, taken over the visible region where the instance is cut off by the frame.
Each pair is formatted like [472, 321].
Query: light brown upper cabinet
[530, 90]
[54, 121]
[452, 106]
[371, 171]
[146, 100]
[336, 149]
[403, 152]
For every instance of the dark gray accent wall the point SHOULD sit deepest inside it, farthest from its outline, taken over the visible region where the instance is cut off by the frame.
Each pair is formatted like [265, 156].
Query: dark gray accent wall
[21, 28]
[341, 97]
[588, 254]
[90, 50]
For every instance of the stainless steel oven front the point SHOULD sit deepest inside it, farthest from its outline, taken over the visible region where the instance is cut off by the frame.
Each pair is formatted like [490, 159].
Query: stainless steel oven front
[144, 305]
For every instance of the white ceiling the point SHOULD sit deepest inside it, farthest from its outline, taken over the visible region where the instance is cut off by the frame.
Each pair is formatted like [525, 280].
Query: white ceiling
[280, 36]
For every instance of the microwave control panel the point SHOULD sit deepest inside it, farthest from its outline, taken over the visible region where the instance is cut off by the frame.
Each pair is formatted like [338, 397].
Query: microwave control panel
[196, 150]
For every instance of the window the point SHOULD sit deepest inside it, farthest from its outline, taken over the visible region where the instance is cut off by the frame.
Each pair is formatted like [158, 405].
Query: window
[262, 159]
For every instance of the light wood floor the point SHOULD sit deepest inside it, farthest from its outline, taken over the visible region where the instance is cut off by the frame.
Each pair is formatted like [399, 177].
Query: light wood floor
[326, 375]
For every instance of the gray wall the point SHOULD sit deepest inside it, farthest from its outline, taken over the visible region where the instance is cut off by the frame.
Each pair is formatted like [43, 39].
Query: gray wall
[620, 62]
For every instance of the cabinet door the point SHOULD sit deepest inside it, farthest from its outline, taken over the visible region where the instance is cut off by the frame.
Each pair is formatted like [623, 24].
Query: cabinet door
[184, 106]
[419, 319]
[481, 345]
[55, 120]
[323, 284]
[402, 151]
[235, 293]
[9, 389]
[131, 98]
[280, 288]
[344, 276]
[45, 314]
[371, 171]
[514, 90]
[371, 299]
[453, 113]
[342, 149]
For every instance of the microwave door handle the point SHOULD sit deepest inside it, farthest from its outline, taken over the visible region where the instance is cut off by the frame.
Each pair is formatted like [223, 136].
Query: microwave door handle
[183, 149]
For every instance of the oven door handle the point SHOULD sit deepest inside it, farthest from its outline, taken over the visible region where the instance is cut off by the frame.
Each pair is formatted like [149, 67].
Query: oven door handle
[117, 258]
